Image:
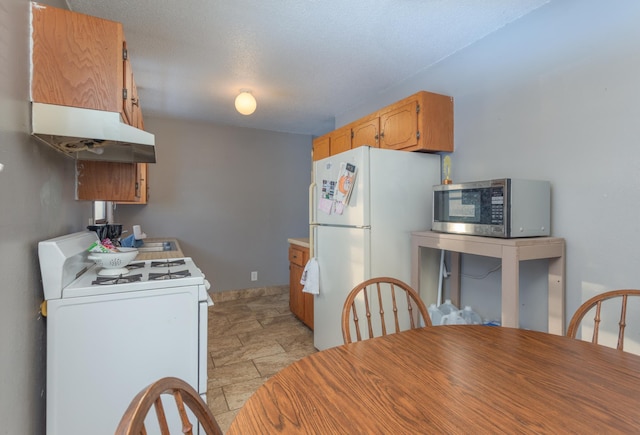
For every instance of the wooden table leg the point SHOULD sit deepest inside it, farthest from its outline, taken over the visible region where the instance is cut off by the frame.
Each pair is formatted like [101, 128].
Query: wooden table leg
[510, 287]
[556, 295]
[454, 281]
[416, 260]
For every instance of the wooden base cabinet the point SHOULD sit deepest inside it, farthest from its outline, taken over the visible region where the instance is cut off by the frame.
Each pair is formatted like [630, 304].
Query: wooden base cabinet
[300, 303]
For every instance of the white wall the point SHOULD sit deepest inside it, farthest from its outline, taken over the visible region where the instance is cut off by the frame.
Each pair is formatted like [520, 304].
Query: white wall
[36, 203]
[552, 96]
[232, 196]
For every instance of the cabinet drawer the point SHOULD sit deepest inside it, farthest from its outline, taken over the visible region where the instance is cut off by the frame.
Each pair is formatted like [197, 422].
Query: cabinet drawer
[297, 255]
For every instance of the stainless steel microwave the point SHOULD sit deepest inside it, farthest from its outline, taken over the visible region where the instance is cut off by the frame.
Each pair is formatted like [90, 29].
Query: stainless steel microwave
[505, 208]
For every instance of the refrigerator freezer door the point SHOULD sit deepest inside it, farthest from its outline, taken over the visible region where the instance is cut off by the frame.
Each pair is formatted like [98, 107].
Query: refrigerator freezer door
[344, 262]
[326, 175]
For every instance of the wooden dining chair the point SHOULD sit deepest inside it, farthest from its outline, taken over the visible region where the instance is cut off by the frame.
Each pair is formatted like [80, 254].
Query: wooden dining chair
[381, 300]
[133, 420]
[597, 302]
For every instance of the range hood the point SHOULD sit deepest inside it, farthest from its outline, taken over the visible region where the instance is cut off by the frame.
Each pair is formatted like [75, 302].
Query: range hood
[87, 134]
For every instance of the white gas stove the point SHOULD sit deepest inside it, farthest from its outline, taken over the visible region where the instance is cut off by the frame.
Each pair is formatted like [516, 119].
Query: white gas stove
[141, 275]
[110, 336]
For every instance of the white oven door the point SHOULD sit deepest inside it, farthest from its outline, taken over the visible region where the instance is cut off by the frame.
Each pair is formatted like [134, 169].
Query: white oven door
[102, 350]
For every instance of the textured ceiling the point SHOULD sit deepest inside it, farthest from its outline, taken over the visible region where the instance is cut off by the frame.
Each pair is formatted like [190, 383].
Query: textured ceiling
[304, 60]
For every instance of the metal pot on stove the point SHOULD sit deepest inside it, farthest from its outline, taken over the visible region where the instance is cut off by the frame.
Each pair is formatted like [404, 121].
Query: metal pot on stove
[107, 231]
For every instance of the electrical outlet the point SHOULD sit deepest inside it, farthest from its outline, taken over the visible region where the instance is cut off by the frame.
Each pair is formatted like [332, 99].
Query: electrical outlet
[254, 276]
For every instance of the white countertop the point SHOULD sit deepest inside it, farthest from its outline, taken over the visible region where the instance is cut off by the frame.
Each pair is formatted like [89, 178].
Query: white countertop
[301, 241]
[159, 255]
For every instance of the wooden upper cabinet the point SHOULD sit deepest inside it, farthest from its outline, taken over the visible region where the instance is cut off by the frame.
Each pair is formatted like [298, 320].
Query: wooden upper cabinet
[81, 61]
[321, 147]
[421, 122]
[111, 181]
[366, 132]
[77, 59]
[340, 140]
[332, 143]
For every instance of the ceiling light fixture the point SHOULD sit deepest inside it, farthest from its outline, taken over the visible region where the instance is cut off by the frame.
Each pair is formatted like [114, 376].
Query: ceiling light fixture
[245, 102]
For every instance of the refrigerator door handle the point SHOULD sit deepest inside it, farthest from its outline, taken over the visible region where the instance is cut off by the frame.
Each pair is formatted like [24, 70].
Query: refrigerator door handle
[312, 223]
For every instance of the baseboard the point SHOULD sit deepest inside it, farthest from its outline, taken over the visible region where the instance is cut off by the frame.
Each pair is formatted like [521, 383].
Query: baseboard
[231, 295]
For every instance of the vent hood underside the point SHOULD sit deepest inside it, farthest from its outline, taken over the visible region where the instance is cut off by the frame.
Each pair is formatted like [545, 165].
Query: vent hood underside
[87, 134]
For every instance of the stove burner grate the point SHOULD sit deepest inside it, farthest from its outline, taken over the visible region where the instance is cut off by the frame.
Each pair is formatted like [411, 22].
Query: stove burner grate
[169, 275]
[167, 263]
[138, 265]
[120, 279]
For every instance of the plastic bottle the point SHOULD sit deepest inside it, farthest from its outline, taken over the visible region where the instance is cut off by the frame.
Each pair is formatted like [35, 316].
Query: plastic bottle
[453, 318]
[447, 307]
[470, 316]
[435, 315]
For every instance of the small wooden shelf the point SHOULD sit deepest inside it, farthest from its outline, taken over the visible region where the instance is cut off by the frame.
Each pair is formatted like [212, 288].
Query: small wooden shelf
[511, 252]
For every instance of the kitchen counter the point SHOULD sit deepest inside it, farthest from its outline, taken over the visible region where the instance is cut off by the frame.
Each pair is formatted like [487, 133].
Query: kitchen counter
[304, 242]
[160, 255]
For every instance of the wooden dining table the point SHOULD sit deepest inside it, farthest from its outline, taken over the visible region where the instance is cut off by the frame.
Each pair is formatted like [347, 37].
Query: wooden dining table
[451, 379]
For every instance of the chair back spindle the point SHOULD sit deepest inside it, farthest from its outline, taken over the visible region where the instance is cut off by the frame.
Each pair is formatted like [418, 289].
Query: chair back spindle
[385, 292]
[597, 303]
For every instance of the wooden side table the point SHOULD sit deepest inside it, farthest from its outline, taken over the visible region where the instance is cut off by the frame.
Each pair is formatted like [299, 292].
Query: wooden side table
[511, 252]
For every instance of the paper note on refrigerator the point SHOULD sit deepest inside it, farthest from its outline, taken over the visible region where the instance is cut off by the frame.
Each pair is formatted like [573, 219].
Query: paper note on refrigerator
[346, 180]
[328, 189]
[325, 205]
[325, 202]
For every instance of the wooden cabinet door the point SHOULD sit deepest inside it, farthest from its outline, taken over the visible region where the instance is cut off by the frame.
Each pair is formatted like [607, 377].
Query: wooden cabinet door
[366, 132]
[127, 88]
[131, 111]
[321, 147]
[76, 59]
[141, 185]
[399, 125]
[109, 181]
[300, 303]
[138, 121]
[340, 140]
[296, 300]
[296, 267]
[435, 122]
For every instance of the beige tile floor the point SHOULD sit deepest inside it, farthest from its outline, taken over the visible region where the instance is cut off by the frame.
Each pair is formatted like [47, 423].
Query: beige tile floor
[250, 339]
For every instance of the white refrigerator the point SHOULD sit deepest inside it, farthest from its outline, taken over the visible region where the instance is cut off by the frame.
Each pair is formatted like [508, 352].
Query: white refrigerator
[368, 234]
